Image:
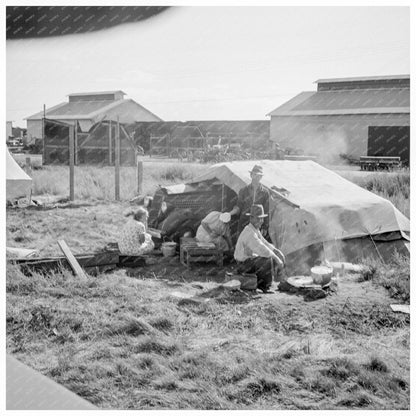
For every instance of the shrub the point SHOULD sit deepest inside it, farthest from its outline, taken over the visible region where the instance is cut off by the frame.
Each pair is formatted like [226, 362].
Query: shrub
[397, 383]
[356, 400]
[162, 324]
[392, 186]
[341, 369]
[324, 385]
[395, 276]
[368, 381]
[150, 345]
[253, 389]
[376, 364]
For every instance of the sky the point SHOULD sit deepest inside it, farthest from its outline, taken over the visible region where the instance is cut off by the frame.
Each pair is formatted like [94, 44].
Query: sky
[210, 63]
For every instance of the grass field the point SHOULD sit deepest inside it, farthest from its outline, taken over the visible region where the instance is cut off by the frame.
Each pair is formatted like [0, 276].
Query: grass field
[97, 183]
[122, 340]
[394, 186]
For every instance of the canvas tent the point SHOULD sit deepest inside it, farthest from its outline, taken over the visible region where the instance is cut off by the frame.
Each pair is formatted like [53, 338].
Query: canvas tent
[18, 183]
[315, 212]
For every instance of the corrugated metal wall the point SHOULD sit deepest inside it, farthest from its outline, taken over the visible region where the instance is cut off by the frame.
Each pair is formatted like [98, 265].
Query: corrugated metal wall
[347, 134]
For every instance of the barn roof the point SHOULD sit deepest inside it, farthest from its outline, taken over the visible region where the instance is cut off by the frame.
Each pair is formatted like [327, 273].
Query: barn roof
[374, 78]
[354, 101]
[84, 110]
[77, 109]
[80, 94]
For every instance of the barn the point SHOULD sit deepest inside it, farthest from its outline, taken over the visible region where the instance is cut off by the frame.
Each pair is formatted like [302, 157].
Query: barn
[88, 113]
[347, 117]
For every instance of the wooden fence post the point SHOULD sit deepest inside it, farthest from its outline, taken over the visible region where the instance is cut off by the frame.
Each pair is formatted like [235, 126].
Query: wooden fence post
[110, 144]
[139, 165]
[71, 164]
[28, 166]
[117, 162]
[76, 143]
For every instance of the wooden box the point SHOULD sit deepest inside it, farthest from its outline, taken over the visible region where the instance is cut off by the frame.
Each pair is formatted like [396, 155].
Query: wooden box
[191, 251]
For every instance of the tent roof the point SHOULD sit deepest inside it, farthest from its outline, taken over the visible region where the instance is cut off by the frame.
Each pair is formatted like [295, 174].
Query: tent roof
[18, 182]
[340, 208]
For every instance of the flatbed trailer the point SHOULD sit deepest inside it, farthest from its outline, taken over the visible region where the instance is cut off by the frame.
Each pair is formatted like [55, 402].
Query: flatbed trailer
[379, 162]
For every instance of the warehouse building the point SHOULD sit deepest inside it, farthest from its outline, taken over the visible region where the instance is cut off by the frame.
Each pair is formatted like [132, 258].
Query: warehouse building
[93, 117]
[88, 108]
[352, 117]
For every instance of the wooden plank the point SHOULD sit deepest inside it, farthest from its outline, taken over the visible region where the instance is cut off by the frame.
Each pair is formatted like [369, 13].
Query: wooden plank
[45, 265]
[72, 260]
[99, 259]
[95, 259]
[131, 261]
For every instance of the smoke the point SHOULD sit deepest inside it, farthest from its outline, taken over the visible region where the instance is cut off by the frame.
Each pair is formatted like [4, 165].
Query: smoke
[326, 142]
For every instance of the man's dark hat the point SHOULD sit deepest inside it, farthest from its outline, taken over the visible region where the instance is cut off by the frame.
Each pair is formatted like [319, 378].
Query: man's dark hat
[257, 169]
[257, 211]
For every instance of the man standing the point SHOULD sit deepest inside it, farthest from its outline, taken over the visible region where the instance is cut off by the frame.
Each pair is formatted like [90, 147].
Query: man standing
[279, 154]
[254, 254]
[254, 193]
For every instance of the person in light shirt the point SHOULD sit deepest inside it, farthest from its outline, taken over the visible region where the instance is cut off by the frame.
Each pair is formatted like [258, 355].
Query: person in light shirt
[254, 254]
[134, 239]
[215, 228]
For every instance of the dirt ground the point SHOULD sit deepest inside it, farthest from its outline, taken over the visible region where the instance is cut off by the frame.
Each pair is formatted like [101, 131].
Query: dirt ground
[89, 228]
[285, 352]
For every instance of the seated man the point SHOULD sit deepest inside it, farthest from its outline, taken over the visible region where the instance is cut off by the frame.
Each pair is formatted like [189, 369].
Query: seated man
[215, 228]
[254, 254]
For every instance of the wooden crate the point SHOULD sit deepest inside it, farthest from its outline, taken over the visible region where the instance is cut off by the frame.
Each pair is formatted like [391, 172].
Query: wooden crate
[192, 252]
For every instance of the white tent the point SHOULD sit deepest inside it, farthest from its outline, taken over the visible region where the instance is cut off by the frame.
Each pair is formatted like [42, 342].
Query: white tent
[18, 183]
[320, 207]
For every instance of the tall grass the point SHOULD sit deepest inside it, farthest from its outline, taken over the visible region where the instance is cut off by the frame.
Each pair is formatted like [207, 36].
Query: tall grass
[98, 183]
[395, 276]
[392, 186]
